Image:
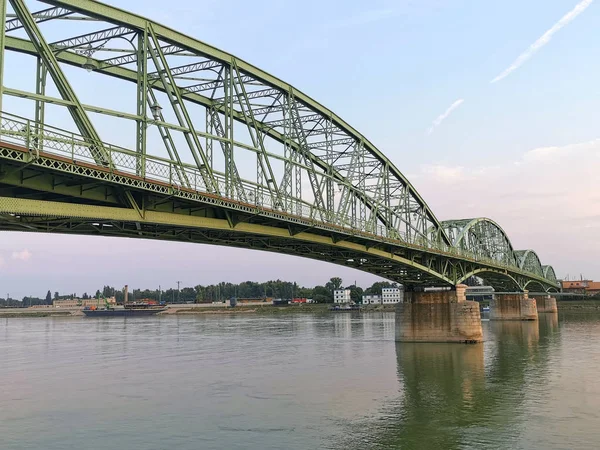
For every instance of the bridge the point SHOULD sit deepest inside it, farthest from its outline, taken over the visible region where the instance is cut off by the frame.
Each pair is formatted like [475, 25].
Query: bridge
[114, 125]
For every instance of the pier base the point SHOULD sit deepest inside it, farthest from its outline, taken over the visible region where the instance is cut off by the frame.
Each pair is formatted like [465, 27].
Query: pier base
[546, 304]
[513, 307]
[438, 316]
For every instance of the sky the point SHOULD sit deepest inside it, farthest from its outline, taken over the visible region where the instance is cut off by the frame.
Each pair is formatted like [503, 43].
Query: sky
[489, 108]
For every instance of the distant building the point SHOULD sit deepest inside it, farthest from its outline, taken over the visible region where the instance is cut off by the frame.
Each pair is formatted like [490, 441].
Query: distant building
[341, 296]
[371, 299]
[392, 295]
[82, 303]
[587, 287]
[593, 288]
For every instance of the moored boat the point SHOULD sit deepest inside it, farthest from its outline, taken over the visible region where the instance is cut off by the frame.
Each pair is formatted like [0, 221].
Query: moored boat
[125, 311]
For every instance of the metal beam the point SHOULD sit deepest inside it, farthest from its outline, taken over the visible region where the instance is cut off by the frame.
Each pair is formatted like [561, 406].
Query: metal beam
[117, 16]
[38, 208]
[379, 198]
[130, 75]
[40, 16]
[160, 62]
[142, 96]
[85, 126]
[2, 49]
[91, 38]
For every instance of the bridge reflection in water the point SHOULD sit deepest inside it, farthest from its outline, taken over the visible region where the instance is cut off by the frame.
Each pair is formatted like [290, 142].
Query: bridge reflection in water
[468, 396]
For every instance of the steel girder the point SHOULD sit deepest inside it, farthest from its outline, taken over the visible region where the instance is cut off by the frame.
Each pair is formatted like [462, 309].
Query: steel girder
[276, 111]
[549, 273]
[529, 261]
[179, 221]
[284, 155]
[44, 176]
[481, 236]
[484, 237]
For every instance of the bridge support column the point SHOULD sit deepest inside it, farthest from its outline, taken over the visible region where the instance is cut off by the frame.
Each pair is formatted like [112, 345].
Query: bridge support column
[438, 316]
[516, 306]
[546, 304]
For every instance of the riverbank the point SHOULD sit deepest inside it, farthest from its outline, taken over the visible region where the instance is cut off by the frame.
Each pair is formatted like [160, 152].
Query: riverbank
[24, 312]
[274, 310]
[583, 306]
[201, 309]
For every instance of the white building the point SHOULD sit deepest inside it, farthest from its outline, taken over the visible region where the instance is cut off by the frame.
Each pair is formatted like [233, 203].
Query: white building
[392, 295]
[341, 296]
[371, 299]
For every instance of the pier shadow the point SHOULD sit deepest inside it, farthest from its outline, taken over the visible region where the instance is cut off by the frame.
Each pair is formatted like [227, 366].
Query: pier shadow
[466, 396]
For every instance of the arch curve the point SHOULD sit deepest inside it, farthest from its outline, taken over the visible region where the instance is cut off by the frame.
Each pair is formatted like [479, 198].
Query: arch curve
[481, 236]
[549, 273]
[316, 147]
[535, 286]
[496, 278]
[297, 165]
[529, 261]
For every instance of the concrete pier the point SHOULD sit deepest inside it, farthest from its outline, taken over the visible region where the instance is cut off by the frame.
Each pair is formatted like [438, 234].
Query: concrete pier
[438, 316]
[546, 304]
[516, 306]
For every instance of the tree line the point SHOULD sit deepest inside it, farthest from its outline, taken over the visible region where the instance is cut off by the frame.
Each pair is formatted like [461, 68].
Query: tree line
[215, 293]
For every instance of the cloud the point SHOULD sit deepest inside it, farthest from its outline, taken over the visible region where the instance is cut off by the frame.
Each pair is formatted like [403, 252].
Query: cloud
[23, 255]
[444, 173]
[554, 154]
[544, 39]
[445, 114]
[546, 199]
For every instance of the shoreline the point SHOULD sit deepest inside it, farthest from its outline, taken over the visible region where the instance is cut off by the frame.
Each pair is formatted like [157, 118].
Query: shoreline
[185, 310]
[581, 306]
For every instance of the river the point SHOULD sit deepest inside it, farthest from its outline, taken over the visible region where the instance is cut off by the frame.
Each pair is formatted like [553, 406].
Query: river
[335, 381]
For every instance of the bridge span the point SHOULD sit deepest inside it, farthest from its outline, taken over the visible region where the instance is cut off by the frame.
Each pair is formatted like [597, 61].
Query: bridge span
[114, 125]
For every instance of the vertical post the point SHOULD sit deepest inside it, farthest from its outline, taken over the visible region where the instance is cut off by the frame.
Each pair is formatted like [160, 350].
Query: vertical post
[142, 87]
[40, 105]
[228, 104]
[28, 135]
[210, 131]
[2, 36]
[329, 179]
[229, 130]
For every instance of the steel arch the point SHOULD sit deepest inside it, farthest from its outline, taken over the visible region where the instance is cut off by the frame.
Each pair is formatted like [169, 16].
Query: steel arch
[529, 261]
[497, 278]
[549, 273]
[535, 286]
[375, 196]
[481, 236]
[260, 153]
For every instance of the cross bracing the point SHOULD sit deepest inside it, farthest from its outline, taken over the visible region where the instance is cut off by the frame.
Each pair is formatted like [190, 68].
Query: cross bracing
[211, 128]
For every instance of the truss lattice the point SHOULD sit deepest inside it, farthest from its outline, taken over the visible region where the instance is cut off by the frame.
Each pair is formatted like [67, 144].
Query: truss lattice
[183, 122]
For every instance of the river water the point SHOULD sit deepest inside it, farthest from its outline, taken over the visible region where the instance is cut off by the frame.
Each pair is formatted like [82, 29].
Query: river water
[334, 381]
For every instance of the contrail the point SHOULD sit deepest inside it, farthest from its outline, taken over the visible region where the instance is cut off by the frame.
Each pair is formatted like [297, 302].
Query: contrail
[544, 39]
[445, 114]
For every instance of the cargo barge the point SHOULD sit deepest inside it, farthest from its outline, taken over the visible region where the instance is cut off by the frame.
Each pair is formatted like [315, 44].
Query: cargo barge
[126, 311]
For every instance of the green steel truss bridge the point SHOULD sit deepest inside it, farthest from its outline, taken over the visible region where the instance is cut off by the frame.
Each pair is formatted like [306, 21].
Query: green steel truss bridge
[165, 137]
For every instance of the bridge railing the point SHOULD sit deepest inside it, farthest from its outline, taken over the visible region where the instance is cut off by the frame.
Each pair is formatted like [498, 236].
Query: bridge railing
[44, 138]
[37, 138]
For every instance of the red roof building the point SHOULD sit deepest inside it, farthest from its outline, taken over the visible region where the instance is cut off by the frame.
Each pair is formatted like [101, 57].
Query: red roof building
[587, 287]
